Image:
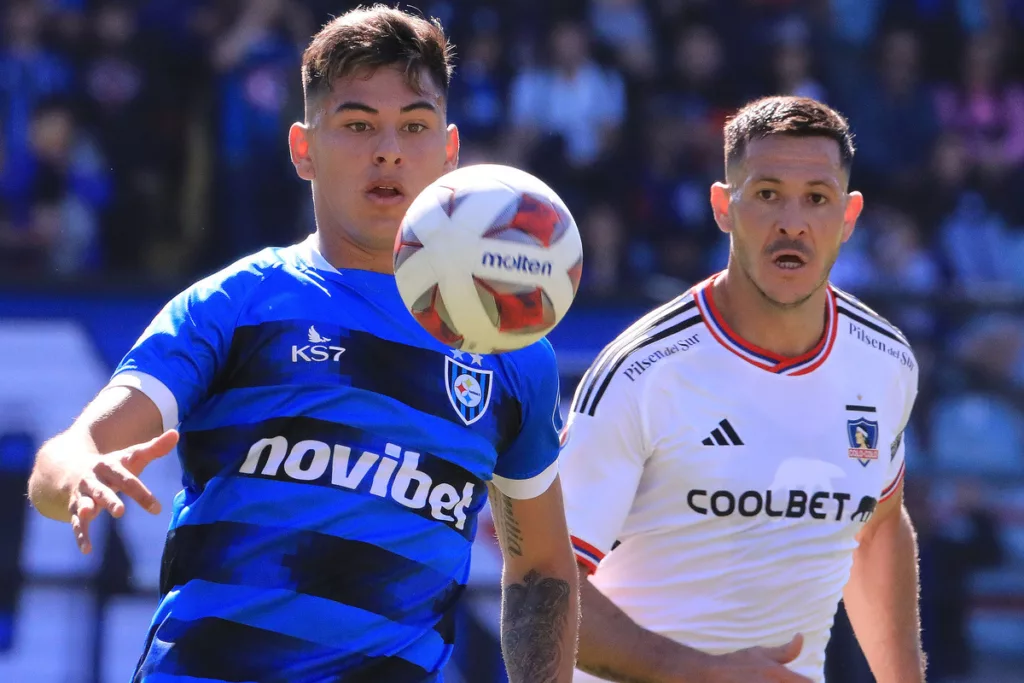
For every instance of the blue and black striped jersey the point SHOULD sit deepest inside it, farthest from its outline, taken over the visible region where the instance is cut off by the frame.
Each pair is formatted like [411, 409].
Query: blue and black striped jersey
[334, 460]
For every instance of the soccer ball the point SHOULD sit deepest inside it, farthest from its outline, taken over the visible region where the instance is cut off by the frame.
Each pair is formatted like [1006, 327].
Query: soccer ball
[488, 259]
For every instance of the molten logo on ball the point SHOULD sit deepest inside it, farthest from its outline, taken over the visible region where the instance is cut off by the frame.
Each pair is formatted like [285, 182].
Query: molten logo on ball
[488, 260]
[521, 263]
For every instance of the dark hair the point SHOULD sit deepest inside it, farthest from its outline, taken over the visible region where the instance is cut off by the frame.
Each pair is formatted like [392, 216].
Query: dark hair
[785, 115]
[372, 37]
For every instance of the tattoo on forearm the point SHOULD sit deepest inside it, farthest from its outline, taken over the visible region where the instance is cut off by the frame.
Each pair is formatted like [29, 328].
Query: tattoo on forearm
[505, 523]
[534, 615]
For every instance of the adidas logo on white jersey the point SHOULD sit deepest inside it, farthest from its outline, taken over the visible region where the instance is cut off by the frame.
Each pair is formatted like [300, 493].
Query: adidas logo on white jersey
[726, 436]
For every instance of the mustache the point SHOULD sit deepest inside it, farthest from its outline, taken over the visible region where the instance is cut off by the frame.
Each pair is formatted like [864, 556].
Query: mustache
[786, 244]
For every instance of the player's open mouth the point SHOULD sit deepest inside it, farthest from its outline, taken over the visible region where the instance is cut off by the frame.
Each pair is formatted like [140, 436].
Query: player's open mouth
[385, 193]
[790, 260]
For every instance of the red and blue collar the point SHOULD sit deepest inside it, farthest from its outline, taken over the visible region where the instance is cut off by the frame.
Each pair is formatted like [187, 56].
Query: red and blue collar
[762, 358]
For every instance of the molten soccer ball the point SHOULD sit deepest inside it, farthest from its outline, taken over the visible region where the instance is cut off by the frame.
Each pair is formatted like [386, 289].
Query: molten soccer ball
[488, 259]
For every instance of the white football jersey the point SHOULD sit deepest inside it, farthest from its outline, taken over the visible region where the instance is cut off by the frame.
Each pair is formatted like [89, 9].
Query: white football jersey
[715, 488]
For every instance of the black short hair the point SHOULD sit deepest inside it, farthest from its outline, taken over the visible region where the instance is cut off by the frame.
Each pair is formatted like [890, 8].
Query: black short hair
[372, 37]
[786, 115]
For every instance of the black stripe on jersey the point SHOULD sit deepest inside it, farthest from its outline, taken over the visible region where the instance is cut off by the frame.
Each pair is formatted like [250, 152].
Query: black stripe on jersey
[352, 573]
[222, 650]
[390, 669]
[267, 355]
[719, 438]
[862, 409]
[863, 308]
[595, 371]
[636, 345]
[870, 325]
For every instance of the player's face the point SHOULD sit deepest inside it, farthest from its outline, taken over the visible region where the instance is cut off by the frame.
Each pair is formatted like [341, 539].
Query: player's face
[370, 147]
[787, 211]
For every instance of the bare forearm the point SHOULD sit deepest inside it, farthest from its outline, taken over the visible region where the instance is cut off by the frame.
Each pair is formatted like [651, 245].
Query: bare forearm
[540, 613]
[882, 601]
[540, 589]
[616, 648]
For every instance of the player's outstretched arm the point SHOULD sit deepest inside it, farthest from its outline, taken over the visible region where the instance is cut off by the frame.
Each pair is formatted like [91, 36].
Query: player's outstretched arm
[80, 472]
[616, 648]
[540, 598]
[881, 596]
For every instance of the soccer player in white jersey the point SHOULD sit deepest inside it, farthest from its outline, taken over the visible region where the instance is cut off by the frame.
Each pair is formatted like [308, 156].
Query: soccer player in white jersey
[733, 462]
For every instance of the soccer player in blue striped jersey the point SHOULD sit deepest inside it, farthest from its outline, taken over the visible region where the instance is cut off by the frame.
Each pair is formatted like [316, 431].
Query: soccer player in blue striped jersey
[332, 472]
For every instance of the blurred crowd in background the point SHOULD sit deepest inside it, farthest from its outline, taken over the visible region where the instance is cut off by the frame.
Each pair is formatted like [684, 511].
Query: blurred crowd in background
[145, 142]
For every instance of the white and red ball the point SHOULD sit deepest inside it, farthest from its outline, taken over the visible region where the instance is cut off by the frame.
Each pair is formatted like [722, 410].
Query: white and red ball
[488, 259]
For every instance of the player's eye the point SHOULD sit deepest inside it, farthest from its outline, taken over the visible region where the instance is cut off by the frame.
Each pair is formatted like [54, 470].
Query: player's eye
[358, 126]
[818, 199]
[766, 195]
[415, 127]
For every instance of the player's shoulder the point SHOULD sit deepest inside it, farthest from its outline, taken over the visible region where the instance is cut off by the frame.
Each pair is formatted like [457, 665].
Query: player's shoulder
[540, 356]
[666, 335]
[862, 326]
[534, 362]
[245, 275]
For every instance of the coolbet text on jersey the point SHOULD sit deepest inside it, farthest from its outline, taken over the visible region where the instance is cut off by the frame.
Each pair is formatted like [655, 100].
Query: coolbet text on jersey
[716, 488]
[334, 463]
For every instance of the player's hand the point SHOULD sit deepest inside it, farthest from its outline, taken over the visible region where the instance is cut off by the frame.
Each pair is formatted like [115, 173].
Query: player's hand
[757, 665]
[94, 486]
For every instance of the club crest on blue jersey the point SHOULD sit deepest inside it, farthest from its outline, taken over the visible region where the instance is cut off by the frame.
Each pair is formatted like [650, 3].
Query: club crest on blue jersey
[863, 435]
[469, 389]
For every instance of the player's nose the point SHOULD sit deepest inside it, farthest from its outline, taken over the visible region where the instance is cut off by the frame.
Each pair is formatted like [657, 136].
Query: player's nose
[791, 221]
[388, 151]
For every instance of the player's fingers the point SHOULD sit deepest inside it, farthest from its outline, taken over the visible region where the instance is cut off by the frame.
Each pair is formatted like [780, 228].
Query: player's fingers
[104, 498]
[118, 478]
[784, 654]
[76, 529]
[137, 457]
[85, 510]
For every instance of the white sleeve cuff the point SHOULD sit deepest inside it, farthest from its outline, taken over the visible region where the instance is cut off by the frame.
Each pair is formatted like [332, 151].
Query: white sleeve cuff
[523, 489]
[156, 390]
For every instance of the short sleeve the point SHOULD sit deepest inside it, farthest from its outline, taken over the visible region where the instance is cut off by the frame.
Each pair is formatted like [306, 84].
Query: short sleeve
[897, 450]
[602, 459]
[529, 465]
[181, 351]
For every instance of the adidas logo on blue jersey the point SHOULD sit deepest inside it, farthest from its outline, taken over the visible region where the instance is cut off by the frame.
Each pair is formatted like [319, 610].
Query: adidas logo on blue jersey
[316, 350]
[397, 474]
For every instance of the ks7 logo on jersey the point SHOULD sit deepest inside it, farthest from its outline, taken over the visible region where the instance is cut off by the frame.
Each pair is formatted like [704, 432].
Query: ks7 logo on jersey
[317, 350]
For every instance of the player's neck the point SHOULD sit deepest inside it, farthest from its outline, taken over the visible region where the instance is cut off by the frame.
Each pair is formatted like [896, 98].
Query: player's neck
[343, 253]
[786, 332]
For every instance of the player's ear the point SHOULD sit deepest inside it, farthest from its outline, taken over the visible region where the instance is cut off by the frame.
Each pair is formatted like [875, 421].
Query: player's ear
[451, 148]
[854, 206]
[720, 199]
[298, 143]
